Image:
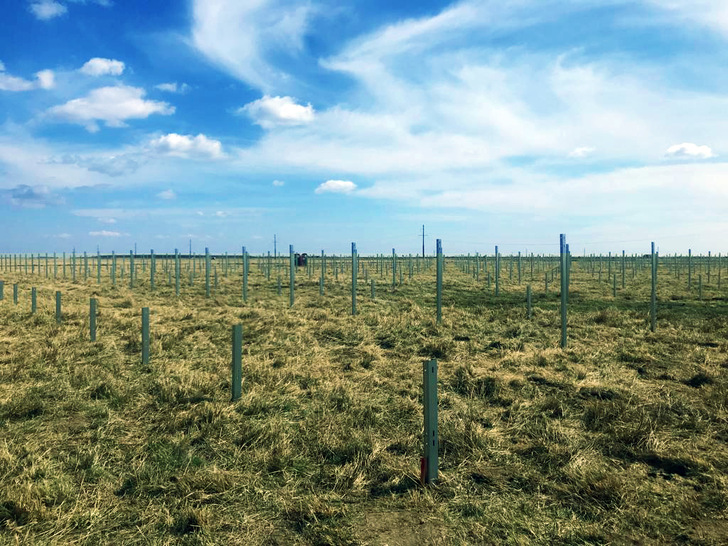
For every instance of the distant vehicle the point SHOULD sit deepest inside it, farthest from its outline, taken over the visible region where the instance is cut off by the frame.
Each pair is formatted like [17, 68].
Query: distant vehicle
[301, 259]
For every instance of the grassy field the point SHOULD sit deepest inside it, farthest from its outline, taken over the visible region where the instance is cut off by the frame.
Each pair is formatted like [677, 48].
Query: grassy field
[621, 438]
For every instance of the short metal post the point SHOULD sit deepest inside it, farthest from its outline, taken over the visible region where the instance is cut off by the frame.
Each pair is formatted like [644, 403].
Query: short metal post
[237, 364]
[92, 322]
[145, 335]
[33, 300]
[429, 466]
[58, 307]
[528, 301]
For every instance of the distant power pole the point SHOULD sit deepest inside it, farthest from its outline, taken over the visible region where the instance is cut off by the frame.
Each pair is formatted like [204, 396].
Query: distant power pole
[275, 247]
[423, 240]
[190, 247]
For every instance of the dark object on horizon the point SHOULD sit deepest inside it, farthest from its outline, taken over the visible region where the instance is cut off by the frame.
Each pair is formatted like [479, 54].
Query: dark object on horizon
[301, 259]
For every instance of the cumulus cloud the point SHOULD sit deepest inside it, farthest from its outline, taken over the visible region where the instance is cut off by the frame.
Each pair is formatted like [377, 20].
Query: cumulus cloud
[279, 183]
[336, 186]
[173, 87]
[47, 9]
[187, 146]
[45, 79]
[112, 105]
[270, 112]
[581, 152]
[105, 233]
[688, 150]
[167, 194]
[103, 67]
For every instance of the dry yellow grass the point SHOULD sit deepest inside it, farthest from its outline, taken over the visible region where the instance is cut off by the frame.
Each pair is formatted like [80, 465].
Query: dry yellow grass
[620, 438]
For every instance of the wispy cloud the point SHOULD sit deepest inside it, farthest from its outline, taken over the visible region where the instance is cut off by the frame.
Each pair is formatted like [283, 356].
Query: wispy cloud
[167, 195]
[32, 197]
[47, 9]
[243, 36]
[105, 233]
[173, 87]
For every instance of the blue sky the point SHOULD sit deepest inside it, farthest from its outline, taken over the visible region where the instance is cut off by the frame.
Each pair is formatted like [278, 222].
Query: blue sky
[228, 121]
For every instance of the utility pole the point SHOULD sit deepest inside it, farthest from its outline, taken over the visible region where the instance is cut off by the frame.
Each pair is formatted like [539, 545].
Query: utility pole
[190, 248]
[275, 243]
[423, 240]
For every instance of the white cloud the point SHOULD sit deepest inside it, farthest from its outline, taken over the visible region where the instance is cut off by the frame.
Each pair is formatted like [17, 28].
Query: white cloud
[581, 152]
[167, 194]
[242, 36]
[62, 236]
[104, 233]
[270, 112]
[712, 14]
[173, 87]
[279, 183]
[47, 9]
[31, 197]
[107, 220]
[336, 186]
[45, 79]
[187, 146]
[102, 67]
[688, 150]
[112, 105]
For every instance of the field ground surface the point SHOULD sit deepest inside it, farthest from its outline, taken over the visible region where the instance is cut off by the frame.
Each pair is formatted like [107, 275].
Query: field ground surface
[619, 438]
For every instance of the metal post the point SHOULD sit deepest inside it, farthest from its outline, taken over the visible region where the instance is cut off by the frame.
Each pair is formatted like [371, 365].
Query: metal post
[323, 273]
[145, 335]
[245, 275]
[429, 466]
[653, 296]
[58, 307]
[497, 272]
[92, 320]
[237, 364]
[528, 301]
[292, 287]
[152, 269]
[207, 272]
[354, 270]
[564, 288]
[439, 281]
